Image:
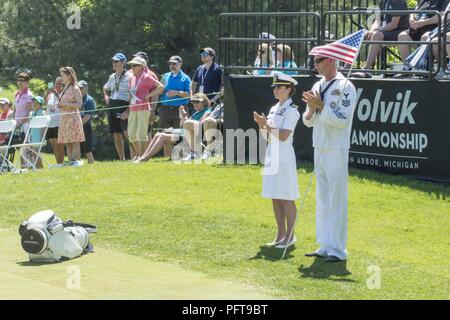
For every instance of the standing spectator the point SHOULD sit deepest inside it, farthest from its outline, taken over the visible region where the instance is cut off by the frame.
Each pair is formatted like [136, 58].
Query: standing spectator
[6, 114]
[388, 29]
[144, 56]
[87, 111]
[53, 111]
[208, 77]
[23, 103]
[70, 130]
[118, 100]
[154, 100]
[285, 58]
[265, 60]
[36, 134]
[177, 90]
[142, 88]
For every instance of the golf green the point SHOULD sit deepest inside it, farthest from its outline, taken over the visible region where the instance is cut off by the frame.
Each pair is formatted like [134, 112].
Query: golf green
[107, 274]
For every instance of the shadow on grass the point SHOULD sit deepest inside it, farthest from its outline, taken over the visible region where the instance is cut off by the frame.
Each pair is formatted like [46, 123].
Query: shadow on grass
[272, 254]
[36, 264]
[439, 190]
[334, 271]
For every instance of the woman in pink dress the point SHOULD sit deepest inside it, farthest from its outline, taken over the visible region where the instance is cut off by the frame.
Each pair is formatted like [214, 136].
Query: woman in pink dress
[70, 132]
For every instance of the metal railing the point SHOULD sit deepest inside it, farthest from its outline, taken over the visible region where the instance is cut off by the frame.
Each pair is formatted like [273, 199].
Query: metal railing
[300, 31]
[382, 66]
[294, 5]
[238, 40]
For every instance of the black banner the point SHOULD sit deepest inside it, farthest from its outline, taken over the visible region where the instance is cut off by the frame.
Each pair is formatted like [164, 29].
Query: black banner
[399, 126]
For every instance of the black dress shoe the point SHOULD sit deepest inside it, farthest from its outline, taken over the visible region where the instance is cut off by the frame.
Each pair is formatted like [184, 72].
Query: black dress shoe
[333, 259]
[314, 254]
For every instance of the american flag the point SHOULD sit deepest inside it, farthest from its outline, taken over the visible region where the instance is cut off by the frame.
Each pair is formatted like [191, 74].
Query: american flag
[345, 49]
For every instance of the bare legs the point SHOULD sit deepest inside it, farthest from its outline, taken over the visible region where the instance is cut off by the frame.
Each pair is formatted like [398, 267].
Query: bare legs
[156, 145]
[58, 150]
[285, 215]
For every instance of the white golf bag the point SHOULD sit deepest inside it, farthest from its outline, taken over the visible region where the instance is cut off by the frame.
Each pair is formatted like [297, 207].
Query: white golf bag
[46, 238]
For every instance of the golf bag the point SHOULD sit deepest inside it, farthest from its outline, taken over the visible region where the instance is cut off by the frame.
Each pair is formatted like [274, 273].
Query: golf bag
[47, 238]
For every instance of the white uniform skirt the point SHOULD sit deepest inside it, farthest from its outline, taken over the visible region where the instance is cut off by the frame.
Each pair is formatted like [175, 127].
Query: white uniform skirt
[280, 172]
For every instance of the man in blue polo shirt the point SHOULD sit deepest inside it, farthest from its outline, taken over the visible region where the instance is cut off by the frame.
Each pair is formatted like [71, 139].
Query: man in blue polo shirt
[208, 77]
[177, 90]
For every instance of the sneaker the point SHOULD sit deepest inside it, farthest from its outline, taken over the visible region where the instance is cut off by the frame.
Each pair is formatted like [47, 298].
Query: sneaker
[189, 158]
[206, 154]
[77, 163]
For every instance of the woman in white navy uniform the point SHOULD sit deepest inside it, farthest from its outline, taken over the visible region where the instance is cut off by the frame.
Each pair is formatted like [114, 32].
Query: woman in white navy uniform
[280, 166]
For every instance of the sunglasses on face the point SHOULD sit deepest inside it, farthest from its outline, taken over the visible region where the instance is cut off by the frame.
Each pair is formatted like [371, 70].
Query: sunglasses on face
[262, 51]
[204, 54]
[172, 63]
[319, 60]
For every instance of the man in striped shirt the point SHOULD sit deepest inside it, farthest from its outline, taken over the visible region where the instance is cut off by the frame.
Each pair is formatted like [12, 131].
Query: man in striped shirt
[117, 97]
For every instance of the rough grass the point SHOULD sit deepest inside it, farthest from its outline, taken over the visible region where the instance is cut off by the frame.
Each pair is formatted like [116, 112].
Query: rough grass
[212, 219]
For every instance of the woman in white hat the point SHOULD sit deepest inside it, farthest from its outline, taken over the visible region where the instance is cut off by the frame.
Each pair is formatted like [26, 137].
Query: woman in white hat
[280, 168]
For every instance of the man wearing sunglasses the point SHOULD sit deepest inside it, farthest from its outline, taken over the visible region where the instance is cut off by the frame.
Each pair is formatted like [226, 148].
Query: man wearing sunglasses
[330, 106]
[208, 77]
[177, 90]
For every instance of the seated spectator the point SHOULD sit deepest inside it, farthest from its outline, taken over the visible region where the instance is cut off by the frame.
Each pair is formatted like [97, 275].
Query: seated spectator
[388, 30]
[36, 134]
[434, 39]
[201, 103]
[285, 58]
[87, 111]
[420, 26]
[192, 127]
[271, 44]
[6, 114]
[212, 125]
[447, 49]
[265, 60]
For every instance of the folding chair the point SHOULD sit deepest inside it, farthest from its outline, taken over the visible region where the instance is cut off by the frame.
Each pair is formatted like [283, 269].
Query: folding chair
[40, 122]
[7, 127]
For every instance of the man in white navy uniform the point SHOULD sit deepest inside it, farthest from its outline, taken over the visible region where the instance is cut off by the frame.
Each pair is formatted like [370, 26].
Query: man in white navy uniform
[330, 108]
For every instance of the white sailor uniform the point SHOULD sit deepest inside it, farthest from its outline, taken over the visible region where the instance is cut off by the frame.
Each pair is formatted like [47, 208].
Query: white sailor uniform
[280, 166]
[331, 134]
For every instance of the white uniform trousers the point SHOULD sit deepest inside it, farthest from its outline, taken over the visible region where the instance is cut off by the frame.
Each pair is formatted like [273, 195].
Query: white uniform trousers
[331, 170]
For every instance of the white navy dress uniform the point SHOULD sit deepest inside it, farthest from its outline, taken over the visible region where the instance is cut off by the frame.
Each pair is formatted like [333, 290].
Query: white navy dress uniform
[331, 133]
[280, 165]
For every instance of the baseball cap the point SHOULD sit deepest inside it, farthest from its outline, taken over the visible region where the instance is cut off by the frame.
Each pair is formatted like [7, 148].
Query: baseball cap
[120, 57]
[5, 101]
[209, 51]
[142, 55]
[39, 100]
[83, 84]
[266, 35]
[176, 59]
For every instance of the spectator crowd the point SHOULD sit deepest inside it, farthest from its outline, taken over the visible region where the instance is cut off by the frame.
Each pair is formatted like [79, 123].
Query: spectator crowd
[189, 110]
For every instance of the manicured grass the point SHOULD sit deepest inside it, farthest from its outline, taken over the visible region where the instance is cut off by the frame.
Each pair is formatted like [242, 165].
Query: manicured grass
[212, 219]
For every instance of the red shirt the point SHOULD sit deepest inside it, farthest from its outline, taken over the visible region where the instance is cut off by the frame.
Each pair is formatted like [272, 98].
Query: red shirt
[140, 86]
